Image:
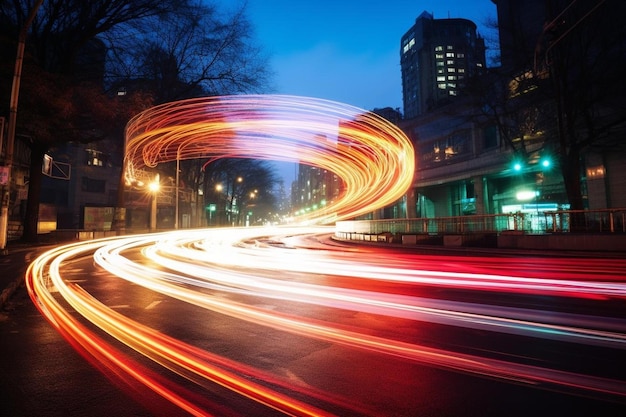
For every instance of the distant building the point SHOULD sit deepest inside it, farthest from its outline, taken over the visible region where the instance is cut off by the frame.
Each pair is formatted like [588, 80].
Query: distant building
[520, 27]
[392, 115]
[437, 57]
[315, 188]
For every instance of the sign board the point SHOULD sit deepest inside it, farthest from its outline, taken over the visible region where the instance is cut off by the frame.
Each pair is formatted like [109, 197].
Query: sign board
[4, 175]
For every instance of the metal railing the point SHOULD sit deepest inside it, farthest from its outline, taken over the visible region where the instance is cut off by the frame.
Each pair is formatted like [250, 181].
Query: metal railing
[580, 221]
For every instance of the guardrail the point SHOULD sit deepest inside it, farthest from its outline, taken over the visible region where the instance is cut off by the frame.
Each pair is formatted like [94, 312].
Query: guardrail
[579, 221]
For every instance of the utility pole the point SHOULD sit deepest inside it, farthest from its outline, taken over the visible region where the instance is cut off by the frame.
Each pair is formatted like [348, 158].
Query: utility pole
[15, 91]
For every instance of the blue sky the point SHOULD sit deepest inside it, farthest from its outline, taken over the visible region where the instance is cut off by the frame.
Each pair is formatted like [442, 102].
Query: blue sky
[346, 50]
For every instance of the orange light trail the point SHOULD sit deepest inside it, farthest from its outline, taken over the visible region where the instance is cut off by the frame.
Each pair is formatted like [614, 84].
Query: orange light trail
[219, 271]
[184, 265]
[372, 157]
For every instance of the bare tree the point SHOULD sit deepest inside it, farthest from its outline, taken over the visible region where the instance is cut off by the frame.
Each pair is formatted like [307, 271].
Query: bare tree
[559, 92]
[67, 82]
[198, 53]
[236, 186]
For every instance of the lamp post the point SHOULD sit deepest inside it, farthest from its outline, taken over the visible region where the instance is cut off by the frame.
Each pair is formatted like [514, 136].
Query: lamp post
[15, 91]
[218, 194]
[177, 183]
[154, 189]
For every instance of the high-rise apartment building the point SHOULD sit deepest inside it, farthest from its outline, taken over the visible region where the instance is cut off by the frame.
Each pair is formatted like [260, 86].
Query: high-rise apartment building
[437, 57]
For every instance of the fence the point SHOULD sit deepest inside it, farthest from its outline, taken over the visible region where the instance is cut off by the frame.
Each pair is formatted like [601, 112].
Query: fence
[580, 221]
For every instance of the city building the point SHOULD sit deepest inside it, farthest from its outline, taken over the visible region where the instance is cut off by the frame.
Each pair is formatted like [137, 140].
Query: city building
[494, 145]
[437, 57]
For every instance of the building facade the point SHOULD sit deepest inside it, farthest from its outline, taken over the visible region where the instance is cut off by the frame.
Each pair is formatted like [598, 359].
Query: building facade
[497, 148]
[437, 56]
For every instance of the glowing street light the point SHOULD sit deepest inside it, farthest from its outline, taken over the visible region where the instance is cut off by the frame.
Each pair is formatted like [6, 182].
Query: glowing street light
[154, 187]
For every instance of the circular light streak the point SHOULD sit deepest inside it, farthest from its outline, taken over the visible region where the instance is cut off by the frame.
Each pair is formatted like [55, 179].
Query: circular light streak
[373, 158]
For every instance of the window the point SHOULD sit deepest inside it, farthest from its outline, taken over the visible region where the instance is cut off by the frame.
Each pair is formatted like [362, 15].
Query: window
[461, 70]
[449, 54]
[408, 45]
[96, 158]
[450, 62]
[439, 56]
[451, 69]
[440, 63]
[442, 86]
[441, 78]
[491, 138]
[452, 92]
[460, 55]
[438, 48]
[91, 185]
[449, 47]
[450, 78]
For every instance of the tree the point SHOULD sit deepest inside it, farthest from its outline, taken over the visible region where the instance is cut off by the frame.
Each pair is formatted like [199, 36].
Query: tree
[235, 186]
[196, 53]
[559, 87]
[70, 77]
[583, 51]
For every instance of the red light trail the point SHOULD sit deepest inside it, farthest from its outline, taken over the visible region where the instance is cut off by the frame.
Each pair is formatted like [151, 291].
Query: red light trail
[195, 266]
[215, 271]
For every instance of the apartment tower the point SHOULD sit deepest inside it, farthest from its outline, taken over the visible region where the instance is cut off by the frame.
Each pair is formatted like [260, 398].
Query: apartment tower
[437, 57]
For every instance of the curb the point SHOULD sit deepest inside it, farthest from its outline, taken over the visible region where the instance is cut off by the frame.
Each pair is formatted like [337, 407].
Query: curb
[9, 290]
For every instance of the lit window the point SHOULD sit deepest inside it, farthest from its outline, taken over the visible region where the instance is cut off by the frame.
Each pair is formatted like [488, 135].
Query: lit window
[449, 54]
[451, 85]
[441, 78]
[440, 71]
[95, 158]
[442, 86]
[450, 77]
[451, 69]
[460, 55]
[438, 48]
[450, 62]
[461, 70]
[449, 47]
[479, 65]
[440, 63]
[439, 56]
[452, 92]
[408, 45]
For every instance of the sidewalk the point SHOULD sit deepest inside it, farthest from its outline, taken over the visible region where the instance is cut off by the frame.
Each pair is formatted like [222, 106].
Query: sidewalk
[15, 262]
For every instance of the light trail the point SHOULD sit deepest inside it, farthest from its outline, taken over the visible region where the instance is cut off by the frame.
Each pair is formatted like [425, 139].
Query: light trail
[373, 157]
[229, 271]
[184, 265]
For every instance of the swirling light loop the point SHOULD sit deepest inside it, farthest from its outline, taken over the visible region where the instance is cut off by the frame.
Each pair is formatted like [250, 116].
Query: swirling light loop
[372, 157]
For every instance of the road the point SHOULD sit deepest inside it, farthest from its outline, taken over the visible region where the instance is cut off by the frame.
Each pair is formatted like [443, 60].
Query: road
[287, 321]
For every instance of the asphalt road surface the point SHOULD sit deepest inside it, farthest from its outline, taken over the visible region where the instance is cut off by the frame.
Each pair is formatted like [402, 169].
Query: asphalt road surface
[243, 322]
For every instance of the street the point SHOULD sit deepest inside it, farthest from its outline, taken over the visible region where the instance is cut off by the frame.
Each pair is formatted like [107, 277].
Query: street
[284, 321]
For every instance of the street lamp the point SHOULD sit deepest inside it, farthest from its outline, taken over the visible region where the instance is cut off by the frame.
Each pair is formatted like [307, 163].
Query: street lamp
[154, 187]
[15, 91]
[218, 197]
[177, 184]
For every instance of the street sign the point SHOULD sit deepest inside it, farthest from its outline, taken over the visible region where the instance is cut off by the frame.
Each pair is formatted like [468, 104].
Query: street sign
[4, 175]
